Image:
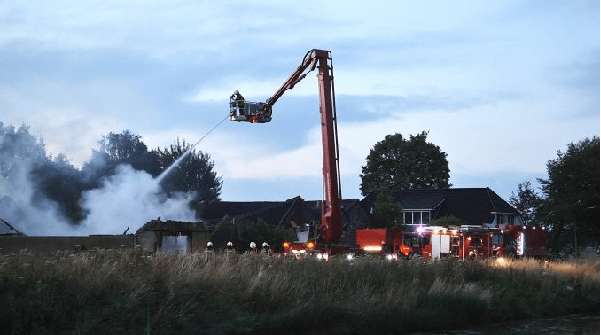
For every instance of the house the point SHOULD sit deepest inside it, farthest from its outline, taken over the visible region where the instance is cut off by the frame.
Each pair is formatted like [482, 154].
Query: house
[473, 206]
[225, 218]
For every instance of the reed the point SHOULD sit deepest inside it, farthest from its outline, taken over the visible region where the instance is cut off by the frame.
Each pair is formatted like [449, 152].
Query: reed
[108, 291]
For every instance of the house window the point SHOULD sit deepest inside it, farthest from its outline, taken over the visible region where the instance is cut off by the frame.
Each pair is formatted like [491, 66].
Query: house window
[407, 217]
[416, 217]
[505, 219]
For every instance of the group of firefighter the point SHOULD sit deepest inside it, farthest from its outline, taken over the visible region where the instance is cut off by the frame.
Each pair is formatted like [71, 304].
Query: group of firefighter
[230, 248]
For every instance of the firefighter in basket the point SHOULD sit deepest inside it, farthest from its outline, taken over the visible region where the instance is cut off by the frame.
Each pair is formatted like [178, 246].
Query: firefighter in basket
[237, 104]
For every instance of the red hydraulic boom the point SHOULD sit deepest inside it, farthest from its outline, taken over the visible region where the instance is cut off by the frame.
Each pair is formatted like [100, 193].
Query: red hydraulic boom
[330, 228]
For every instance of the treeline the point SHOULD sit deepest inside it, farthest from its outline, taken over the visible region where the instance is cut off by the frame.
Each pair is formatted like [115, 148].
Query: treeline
[568, 202]
[23, 159]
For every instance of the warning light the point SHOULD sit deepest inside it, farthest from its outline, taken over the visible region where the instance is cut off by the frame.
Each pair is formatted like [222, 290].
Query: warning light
[310, 245]
[286, 244]
[372, 248]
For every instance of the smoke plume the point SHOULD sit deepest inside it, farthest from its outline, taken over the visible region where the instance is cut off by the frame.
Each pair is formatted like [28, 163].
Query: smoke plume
[127, 199]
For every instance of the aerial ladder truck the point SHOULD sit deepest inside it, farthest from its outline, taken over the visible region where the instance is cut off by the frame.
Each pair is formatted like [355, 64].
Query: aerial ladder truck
[457, 242]
[330, 228]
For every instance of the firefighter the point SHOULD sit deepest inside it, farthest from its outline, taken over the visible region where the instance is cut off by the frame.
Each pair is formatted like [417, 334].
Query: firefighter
[495, 249]
[209, 247]
[240, 103]
[237, 104]
[253, 247]
[233, 107]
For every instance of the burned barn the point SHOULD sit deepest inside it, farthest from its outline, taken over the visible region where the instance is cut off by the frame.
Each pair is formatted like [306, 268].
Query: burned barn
[172, 236]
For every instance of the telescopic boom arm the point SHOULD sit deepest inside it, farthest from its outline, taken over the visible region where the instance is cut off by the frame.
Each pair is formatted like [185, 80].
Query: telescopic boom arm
[330, 228]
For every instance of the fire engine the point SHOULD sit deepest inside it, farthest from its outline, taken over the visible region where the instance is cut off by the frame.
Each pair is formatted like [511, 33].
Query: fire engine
[461, 242]
[428, 242]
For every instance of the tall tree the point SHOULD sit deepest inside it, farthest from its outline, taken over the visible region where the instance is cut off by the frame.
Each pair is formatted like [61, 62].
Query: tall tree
[386, 212]
[400, 163]
[60, 181]
[526, 202]
[193, 174]
[115, 149]
[572, 195]
[19, 151]
[29, 176]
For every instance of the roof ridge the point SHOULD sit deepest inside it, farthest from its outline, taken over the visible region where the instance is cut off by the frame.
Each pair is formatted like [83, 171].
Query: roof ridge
[492, 203]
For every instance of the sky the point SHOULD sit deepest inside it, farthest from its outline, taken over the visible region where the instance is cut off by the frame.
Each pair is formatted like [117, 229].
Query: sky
[500, 86]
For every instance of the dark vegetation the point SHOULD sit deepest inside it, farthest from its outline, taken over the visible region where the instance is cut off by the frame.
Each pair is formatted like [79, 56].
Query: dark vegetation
[263, 232]
[568, 204]
[127, 292]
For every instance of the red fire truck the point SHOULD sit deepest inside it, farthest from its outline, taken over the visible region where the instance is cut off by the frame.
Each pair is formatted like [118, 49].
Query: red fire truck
[462, 242]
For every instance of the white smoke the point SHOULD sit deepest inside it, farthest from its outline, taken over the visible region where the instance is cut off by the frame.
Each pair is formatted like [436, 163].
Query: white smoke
[129, 199]
[29, 216]
[20, 203]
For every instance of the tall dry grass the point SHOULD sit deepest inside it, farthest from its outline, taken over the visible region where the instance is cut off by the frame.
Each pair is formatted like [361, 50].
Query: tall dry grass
[130, 292]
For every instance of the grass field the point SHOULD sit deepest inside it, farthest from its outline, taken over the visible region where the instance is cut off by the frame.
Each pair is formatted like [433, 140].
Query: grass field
[128, 292]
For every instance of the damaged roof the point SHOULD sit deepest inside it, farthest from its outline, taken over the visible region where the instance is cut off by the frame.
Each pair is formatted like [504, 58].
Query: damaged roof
[275, 213]
[173, 226]
[7, 229]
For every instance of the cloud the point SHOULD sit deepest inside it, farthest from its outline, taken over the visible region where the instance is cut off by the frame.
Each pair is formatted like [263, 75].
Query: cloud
[500, 86]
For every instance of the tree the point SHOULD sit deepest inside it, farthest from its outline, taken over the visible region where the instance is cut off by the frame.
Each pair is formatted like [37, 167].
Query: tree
[116, 149]
[447, 221]
[193, 174]
[60, 181]
[386, 213]
[399, 163]
[124, 147]
[260, 231]
[30, 177]
[571, 206]
[19, 151]
[526, 202]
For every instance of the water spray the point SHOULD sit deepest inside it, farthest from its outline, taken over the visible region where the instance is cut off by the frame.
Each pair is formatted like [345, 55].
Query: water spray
[165, 173]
